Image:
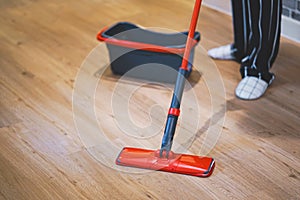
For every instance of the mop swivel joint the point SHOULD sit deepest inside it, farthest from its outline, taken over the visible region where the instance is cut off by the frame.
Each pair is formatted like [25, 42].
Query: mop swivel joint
[164, 153]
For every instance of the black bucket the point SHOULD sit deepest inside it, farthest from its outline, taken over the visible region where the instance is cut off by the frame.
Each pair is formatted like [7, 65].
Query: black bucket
[145, 54]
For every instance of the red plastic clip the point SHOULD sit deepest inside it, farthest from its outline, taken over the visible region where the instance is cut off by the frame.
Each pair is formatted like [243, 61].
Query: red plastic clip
[174, 111]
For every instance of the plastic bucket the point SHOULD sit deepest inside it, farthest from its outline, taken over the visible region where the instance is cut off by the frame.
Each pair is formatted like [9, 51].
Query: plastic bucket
[141, 53]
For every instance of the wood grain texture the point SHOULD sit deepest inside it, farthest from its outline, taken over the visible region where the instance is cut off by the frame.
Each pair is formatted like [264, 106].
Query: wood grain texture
[42, 156]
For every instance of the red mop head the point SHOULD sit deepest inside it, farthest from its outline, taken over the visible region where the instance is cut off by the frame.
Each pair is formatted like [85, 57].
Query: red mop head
[175, 163]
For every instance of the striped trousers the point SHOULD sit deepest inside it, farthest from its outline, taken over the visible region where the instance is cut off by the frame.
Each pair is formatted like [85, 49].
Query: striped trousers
[256, 26]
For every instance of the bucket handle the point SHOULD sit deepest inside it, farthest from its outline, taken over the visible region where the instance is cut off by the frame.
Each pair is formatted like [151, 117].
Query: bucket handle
[139, 45]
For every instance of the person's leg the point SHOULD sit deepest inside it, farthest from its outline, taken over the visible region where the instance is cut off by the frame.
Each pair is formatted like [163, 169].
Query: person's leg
[238, 49]
[274, 32]
[265, 19]
[241, 28]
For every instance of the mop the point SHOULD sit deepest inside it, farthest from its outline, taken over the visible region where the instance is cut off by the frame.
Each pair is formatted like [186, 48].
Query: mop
[164, 159]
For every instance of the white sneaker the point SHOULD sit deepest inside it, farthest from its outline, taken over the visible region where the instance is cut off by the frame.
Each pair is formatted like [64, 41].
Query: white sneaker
[222, 52]
[251, 88]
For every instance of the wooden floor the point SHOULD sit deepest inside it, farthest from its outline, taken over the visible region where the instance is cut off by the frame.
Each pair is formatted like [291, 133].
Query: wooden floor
[51, 146]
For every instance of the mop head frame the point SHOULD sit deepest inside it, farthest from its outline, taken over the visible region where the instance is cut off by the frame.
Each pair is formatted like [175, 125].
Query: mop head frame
[176, 163]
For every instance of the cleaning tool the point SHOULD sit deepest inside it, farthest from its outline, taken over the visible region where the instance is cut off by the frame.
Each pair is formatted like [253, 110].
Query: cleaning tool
[164, 159]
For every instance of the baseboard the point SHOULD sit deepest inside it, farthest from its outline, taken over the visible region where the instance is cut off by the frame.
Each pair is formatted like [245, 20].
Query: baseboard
[289, 28]
[223, 6]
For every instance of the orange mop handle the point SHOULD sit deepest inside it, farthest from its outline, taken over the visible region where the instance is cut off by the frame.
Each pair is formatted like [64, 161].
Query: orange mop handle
[189, 43]
[174, 111]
